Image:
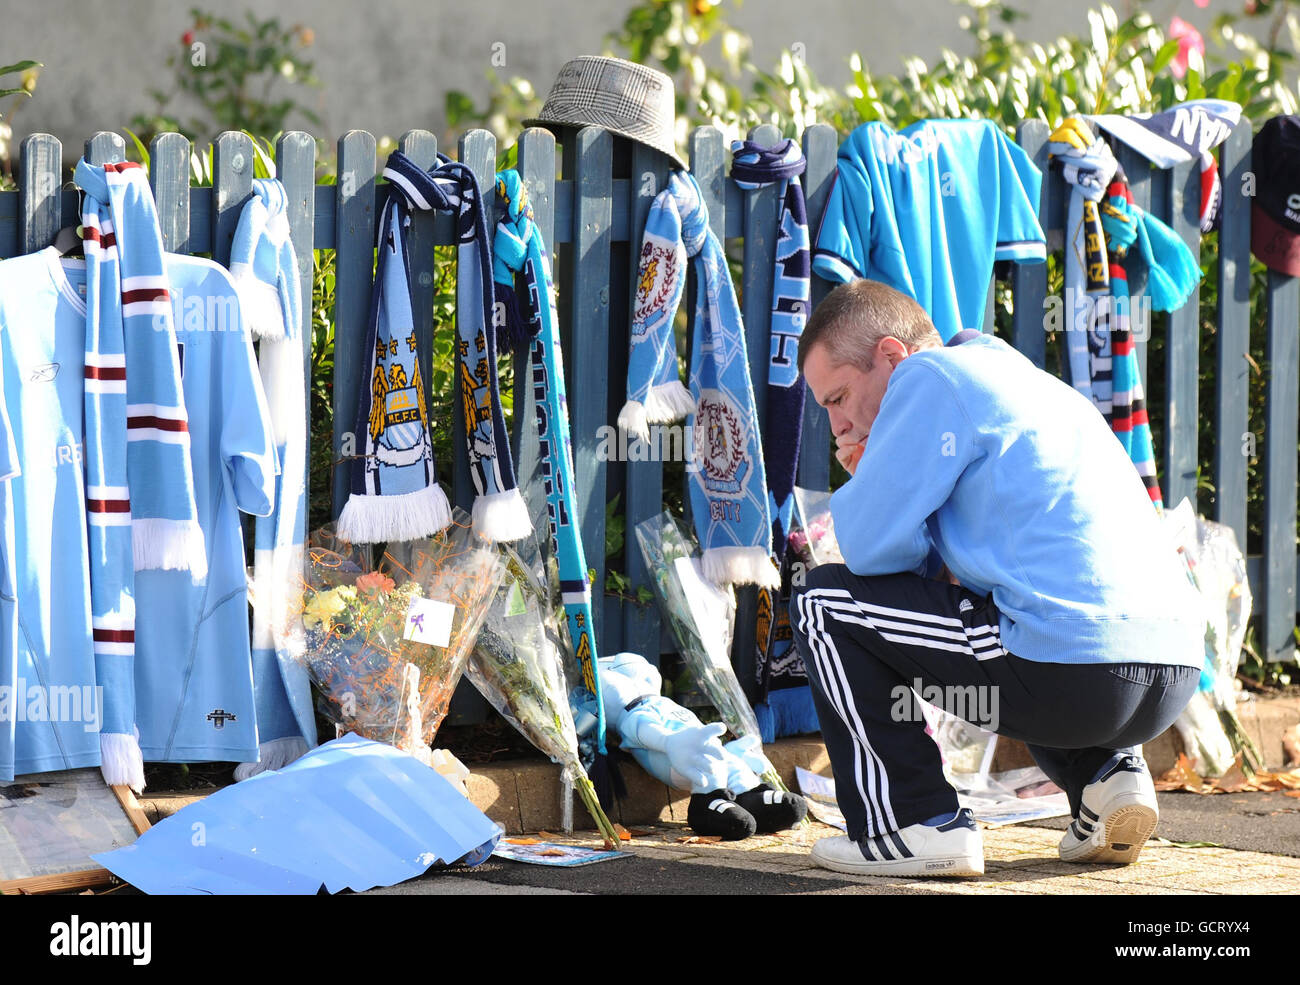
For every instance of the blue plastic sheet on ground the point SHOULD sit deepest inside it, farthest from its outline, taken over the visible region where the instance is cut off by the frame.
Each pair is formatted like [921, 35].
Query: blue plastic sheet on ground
[351, 814]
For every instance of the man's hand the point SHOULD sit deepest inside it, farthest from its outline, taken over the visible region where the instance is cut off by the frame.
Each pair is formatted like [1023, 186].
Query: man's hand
[848, 451]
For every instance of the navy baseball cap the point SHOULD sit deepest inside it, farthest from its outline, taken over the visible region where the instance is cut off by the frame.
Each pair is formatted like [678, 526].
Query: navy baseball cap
[1275, 213]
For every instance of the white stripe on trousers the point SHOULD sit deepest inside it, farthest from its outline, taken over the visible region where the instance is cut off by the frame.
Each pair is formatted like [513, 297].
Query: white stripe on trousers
[879, 811]
[844, 608]
[925, 634]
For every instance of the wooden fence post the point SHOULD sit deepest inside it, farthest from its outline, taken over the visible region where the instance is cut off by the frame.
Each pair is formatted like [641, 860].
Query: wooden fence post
[354, 268]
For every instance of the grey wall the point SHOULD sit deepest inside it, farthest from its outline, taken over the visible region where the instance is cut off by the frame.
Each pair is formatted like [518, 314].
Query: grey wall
[385, 64]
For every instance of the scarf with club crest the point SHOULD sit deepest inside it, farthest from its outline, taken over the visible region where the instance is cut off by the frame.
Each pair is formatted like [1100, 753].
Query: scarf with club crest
[395, 493]
[729, 498]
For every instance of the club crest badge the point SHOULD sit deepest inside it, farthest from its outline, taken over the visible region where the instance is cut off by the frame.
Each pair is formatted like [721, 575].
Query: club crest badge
[721, 451]
[654, 288]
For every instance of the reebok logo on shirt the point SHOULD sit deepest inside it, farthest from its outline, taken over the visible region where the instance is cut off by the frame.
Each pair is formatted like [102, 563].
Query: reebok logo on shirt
[44, 374]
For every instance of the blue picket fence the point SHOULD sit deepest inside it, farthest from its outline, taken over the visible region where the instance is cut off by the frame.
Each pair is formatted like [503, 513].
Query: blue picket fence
[592, 217]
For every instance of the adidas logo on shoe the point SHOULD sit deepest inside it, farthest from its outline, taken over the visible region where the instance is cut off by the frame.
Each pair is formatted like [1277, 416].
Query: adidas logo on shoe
[953, 848]
[1117, 814]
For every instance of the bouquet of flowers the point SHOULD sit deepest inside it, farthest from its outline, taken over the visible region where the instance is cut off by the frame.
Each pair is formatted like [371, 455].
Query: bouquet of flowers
[701, 616]
[1209, 726]
[386, 644]
[517, 666]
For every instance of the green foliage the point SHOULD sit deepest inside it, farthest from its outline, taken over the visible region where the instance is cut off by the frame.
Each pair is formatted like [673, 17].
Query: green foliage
[322, 390]
[28, 79]
[236, 74]
[27, 71]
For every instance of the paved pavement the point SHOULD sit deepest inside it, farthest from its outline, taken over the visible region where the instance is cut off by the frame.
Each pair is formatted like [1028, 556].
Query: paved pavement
[1019, 860]
[1254, 842]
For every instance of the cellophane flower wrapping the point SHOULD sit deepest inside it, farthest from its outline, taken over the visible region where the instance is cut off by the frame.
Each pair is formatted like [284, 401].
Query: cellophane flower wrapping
[386, 643]
[812, 534]
[517, 665]
[701, 616]
[1211, 732]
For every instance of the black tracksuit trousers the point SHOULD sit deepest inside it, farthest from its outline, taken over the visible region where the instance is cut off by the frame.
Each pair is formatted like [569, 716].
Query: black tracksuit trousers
[870, 642]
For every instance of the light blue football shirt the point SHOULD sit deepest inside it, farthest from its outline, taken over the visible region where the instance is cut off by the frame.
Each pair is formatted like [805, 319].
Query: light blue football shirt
[51, 697]
[927, 211]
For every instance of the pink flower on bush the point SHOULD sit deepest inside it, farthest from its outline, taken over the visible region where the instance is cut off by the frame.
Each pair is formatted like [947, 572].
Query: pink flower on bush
[1189, 39]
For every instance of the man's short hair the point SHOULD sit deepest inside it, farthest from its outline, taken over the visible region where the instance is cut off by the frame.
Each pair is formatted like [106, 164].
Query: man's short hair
[853, 318]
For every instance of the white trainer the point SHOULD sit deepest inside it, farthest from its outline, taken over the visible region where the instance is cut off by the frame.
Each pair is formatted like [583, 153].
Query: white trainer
[1117, 814]
[950, 849]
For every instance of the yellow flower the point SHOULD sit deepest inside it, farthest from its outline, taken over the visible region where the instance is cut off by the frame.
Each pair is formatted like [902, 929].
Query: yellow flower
[321, 609]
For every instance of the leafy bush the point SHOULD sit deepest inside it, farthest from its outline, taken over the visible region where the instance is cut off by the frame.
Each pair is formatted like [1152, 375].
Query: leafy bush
[236, 74]
[26, 71]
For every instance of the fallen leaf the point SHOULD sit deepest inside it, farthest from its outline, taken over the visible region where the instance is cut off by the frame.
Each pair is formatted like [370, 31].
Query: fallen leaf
[1289, 780]
[1233, 779]
[699, 839]
[1186, 844]
[545, 836]
[623, 833]
[523, 841]
[553, 851]
[1291, 793]
[1181, 776]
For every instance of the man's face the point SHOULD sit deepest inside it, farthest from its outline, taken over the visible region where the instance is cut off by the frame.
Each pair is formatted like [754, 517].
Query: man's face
[851, 395]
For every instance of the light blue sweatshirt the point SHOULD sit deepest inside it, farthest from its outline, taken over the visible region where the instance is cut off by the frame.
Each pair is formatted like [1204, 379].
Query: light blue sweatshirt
[1017, 483]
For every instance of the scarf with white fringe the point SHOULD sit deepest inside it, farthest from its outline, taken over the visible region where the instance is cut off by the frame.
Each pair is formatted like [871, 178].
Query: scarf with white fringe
[729, 498]
[140, 504]
[395, 493]
[264, 268]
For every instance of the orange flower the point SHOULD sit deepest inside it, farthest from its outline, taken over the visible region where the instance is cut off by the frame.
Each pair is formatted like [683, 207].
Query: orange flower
[375, 581]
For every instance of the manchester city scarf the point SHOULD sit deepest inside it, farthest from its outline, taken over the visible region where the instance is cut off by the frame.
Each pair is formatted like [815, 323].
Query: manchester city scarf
[778, 666]
[139, 485]
[395, 494]
[729, 498]
[518, 247]
[264, 267]
[756, 167]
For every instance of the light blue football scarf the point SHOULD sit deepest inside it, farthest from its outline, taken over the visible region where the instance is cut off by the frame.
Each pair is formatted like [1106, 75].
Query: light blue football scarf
[264, 267]
[729, 498]
[395, 494]
[140, 503]
[518, 246]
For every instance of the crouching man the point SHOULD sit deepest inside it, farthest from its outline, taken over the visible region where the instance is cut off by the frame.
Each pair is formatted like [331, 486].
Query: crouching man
[998, 545]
